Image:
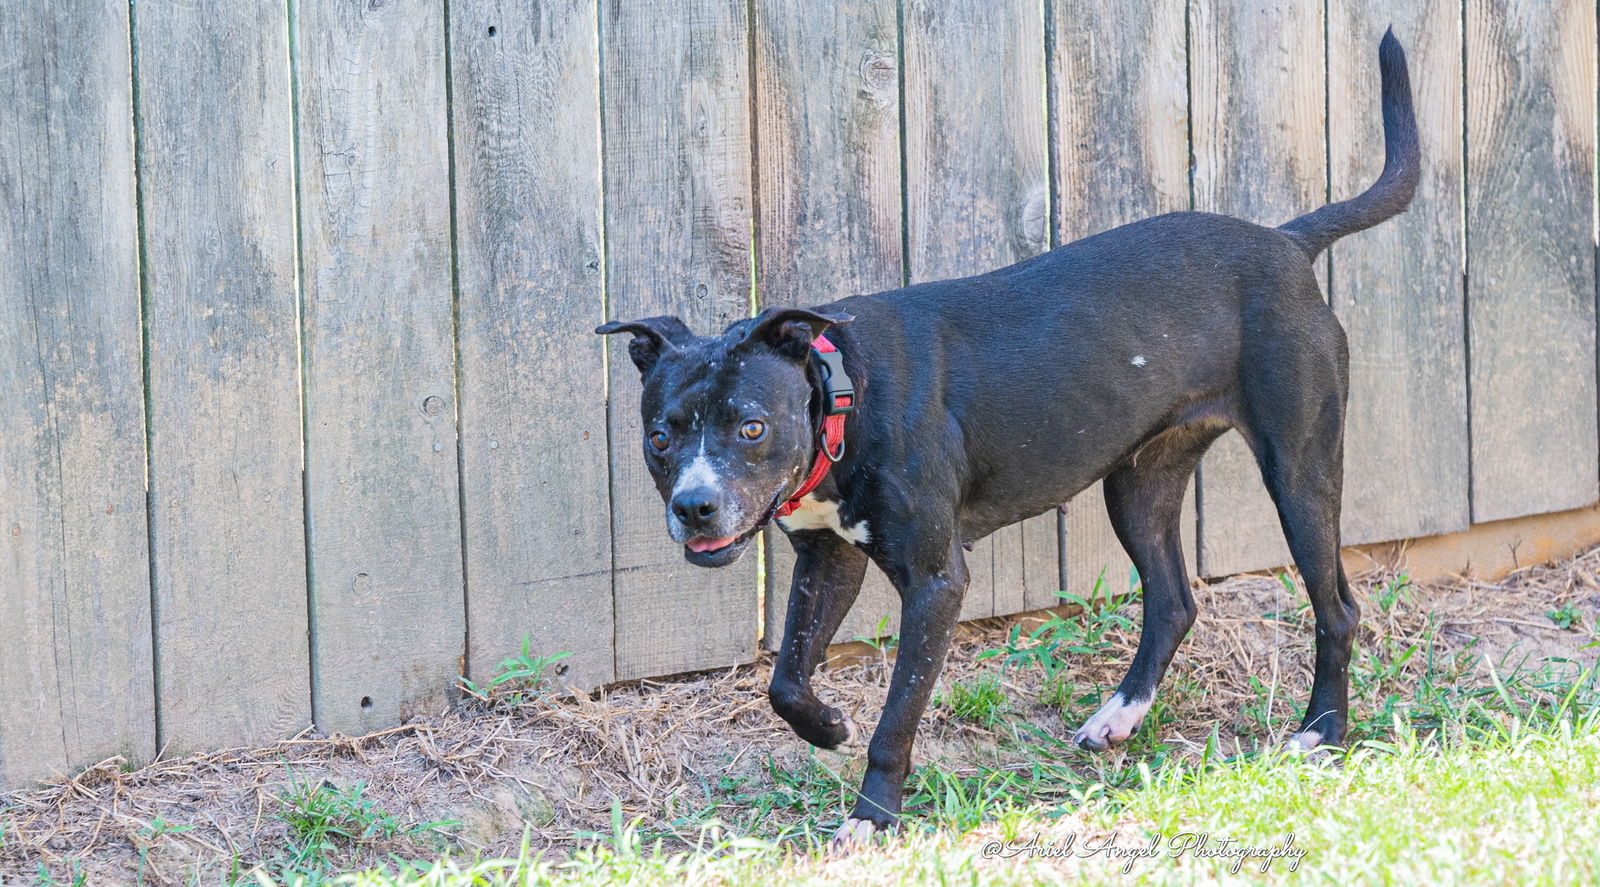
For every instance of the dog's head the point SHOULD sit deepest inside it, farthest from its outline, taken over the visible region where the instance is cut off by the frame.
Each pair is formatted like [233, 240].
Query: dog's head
[729, 422]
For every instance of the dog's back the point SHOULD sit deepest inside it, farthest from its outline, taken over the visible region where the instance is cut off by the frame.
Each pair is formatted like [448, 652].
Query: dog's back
[1060, 367]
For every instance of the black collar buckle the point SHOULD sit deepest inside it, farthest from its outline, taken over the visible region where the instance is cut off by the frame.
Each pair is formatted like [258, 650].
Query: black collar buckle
[839, 392]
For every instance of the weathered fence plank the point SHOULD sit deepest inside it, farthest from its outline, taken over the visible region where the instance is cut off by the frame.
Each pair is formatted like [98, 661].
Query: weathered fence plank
[677, 218]
[1257, 87]
[1531, 283]
[216, 166]
[977, 190]
[387, 615]
[1120, 97]
[75, 681]
[1397, 288]
[828, 213]
[526, 118]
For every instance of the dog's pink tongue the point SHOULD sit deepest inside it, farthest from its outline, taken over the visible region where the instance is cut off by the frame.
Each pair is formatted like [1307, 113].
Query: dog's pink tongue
[701, 546]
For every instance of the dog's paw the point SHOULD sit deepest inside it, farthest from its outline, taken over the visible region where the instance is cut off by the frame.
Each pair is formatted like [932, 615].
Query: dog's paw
[839, 734]
[852, 735]
[1309, 745]
[855, 833]
[822, 726]
[1305, 740]
[1112, 724]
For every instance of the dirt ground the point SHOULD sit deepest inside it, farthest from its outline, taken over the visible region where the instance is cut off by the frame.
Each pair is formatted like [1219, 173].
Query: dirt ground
[673, 752]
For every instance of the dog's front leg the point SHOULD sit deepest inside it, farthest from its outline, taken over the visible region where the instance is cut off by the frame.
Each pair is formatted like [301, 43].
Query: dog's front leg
[827, 577]
[930, 602]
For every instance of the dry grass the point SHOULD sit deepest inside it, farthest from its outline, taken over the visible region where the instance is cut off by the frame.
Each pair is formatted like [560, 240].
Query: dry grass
[674, 752]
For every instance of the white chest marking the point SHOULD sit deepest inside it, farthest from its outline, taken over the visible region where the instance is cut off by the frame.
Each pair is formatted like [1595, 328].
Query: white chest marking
[815, 514]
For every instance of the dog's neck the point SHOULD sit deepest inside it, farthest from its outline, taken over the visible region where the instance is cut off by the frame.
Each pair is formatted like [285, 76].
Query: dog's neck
[831, 388]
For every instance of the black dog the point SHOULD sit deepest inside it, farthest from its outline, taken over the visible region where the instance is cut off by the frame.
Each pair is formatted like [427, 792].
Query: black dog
[991, 399]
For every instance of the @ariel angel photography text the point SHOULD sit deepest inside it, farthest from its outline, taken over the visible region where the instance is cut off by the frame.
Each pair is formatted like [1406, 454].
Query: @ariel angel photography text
[1199, 845]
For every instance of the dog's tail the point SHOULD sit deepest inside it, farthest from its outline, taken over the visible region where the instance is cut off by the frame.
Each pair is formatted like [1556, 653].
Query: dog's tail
[1317, 230]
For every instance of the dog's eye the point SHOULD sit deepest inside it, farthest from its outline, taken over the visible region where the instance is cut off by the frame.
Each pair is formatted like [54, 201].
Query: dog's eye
[753, 430]
[658, 439]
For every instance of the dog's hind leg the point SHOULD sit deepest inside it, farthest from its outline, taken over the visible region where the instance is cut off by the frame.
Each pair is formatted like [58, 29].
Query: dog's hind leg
[1295, 423]
[1144, 499]
[1305, 478]
[827, 577]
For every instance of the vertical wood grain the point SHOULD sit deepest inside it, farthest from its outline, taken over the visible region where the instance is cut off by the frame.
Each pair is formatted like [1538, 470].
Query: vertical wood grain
[387, 614]
[1530, 232]
[828, 214]
[1120, 94]
[676, 127]
[1397, 287]
[75, 681]
[526, 109]
[1257, 85]
[977, 189]
[227, 520]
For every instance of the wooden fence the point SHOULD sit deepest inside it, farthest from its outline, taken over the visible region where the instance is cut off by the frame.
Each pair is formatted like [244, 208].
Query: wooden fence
[304, 416]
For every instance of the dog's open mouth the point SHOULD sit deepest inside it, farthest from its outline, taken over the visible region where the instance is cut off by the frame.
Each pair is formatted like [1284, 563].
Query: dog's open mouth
[702, 545]
[705, 551]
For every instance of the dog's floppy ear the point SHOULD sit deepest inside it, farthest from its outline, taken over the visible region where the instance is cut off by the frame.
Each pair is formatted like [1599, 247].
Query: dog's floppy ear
[652, 336]
[792, 330]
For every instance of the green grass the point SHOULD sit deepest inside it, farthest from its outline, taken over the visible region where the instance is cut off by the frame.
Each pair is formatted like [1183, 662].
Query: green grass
[1088, 632]
[1511, 805]
[521, 678]
[1390, 592]
[151, 832]
[1057, 690]
[979, 700]
[325, 820]
[813, 791]
[1455, 776]
[880, 639]
[1450, 779]
[1566, 616]
[882, 642]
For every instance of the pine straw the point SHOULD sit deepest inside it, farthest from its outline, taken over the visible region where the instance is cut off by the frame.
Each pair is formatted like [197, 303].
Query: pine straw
[659, 749]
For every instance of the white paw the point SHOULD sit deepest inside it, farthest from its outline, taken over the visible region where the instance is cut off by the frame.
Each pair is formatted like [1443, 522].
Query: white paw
[854, 832]
[1304, 741]
[1112, 724]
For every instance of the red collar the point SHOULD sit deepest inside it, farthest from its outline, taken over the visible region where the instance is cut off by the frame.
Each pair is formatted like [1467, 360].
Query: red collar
[839, 400]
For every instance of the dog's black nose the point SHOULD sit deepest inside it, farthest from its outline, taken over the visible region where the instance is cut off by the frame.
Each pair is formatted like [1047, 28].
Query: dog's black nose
[695, 507]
